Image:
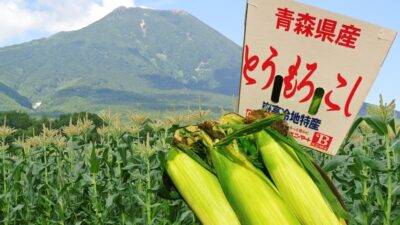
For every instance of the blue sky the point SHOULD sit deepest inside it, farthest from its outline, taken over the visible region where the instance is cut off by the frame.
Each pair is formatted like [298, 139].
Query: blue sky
[23, 20]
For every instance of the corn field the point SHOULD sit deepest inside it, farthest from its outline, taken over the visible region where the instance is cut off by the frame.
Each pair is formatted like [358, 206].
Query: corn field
[66, 176]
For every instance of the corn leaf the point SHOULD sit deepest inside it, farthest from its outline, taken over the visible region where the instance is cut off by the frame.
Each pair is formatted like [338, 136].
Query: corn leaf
[396, 191]
[377, 124]
[354, 126]
[94, 162]
[373, 163]
[335, 163]
[397, 220]
[392, 124]
[379, 197]
[167, 189]
[249, 129]
[396, 145]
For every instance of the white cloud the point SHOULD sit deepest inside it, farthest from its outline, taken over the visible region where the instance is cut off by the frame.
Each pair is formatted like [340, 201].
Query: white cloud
[75, 14]
[20, 17]
[16, 19]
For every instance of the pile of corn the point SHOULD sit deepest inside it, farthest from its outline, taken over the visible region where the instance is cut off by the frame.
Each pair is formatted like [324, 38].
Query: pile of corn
[248, 171]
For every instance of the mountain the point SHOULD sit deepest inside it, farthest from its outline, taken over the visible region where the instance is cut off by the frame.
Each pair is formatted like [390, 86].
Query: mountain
[14, 95]
[132, 57]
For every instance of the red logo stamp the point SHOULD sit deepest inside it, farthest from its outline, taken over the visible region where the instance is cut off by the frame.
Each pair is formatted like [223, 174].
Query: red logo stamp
[321, 141]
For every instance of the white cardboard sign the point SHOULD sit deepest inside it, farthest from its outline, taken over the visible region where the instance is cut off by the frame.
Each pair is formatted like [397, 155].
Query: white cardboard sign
[295, 54]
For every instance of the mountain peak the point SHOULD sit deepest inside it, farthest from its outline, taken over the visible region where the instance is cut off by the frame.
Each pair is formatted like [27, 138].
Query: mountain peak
[120, 8]
[179, 12]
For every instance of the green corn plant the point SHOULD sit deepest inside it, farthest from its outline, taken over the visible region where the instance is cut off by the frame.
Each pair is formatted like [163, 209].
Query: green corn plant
[5, 132]
[54, 180]
[384, 125]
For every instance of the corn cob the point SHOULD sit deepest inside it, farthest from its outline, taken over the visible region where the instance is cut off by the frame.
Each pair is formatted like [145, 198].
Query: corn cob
[200, 189]
[294, 183]
[251, 194]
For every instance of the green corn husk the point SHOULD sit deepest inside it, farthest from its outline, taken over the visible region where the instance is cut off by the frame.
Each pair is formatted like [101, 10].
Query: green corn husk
[323, 183]
[250, 192]
[200, 189]
[294, 183]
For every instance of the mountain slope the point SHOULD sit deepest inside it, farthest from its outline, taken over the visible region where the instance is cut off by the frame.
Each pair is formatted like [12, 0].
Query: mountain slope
[9, 104]
[15, 96]
[131, 56]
